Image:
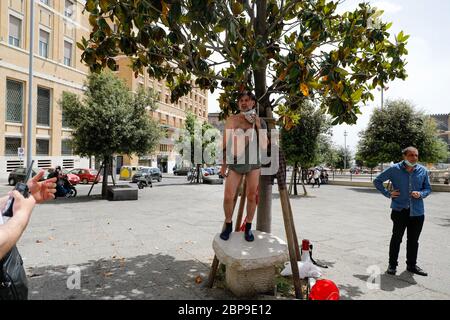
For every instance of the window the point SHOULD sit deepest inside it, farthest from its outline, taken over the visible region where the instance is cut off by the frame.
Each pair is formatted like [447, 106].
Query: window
[43, 107]
[42, 147]
[66, 148]
[15, 31]
[47, 2]
[44, 38]
[14, 101]
[11, 146]
[68, 11]
[67, 53]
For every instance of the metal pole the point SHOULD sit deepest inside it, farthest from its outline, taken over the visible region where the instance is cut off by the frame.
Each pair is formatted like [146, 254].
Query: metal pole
[30, 88]
[382, 98]
[345, 150]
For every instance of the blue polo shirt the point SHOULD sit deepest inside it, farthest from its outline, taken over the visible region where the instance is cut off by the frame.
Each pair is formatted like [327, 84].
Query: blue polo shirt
[406, 183]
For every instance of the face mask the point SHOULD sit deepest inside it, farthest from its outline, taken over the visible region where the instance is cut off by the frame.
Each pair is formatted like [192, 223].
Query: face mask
[409, 164]
[250, 115]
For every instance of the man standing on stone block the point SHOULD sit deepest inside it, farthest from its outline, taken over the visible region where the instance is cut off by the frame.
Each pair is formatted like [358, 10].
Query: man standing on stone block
[244, 137]
[411, 185]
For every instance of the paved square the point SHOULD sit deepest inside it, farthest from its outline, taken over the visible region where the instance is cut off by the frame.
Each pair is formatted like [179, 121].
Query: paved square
[157, 247]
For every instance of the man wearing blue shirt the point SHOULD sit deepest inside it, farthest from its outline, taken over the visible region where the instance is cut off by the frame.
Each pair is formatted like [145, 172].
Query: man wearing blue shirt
[411, 185]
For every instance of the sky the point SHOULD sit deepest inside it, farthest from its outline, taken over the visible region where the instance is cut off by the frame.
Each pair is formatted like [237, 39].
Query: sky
[428, 61]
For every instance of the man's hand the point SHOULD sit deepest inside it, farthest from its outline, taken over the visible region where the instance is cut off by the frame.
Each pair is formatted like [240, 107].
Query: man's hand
[44, 190]
[395, 194]
[415, 194]
[22, 207]
[257, 122]
[223, 170]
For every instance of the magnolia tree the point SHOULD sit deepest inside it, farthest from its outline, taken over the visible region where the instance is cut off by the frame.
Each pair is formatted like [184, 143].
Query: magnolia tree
[286, 51]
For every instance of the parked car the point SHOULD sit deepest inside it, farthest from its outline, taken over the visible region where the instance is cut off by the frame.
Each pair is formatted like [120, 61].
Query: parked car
[154, 172]
[18, 175]
[181, 171]
[86, 175]
[73, 179]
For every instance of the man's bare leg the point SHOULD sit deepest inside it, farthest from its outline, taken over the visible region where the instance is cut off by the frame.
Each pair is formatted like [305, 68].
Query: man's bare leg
[232, 181]
[252, 179]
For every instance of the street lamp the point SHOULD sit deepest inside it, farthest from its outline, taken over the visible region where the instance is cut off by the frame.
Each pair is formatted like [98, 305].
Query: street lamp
[382, 95]
[30, 88]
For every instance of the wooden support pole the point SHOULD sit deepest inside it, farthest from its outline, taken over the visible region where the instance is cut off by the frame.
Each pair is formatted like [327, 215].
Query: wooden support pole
[288, 225]
[98, 173]
[241, 207]
[294, 233]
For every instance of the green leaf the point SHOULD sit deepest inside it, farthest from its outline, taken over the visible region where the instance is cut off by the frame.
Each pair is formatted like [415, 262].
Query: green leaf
[341, 71]
[356, 96]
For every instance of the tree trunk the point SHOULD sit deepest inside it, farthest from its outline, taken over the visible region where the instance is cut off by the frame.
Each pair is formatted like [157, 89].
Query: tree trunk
[264, 216]
[295, 179]
[198, 173]
[303, 182]
[105, 176]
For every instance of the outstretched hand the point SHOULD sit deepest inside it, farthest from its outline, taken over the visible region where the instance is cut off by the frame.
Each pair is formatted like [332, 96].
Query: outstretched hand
[42, 190]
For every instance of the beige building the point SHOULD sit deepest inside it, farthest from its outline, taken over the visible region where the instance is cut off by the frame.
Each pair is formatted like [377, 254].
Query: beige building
[171, 116]
[58, 25]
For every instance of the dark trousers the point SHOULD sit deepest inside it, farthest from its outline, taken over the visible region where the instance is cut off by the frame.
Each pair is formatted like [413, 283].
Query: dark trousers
[402, 221]
[316, 181]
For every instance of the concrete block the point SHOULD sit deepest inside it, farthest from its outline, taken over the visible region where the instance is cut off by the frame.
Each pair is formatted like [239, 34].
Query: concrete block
[122, 192]
[250, 266]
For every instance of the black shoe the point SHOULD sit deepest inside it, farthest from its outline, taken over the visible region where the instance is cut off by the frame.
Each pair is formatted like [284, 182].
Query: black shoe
[226, 232]
[391, 270]
[417, 270]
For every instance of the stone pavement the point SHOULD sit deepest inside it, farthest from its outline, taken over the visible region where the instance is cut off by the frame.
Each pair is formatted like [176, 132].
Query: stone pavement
[157, 247]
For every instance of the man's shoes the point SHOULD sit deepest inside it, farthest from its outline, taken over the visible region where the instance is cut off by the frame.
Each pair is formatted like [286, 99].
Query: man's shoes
[391, 270]
[226, 232]
[417, 270]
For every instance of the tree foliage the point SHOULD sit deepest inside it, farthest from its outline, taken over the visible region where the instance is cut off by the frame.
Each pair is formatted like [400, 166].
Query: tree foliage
[291, 50]
[110, 119]
[301, 142]
[396, 127]
[195, 140]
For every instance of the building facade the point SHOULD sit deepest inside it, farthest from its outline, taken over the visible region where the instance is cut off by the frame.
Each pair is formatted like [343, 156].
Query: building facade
[58, 25]
[443, 126]
[171, 116]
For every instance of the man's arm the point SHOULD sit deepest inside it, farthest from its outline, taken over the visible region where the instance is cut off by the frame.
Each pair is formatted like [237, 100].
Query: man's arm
[263, 140]
[380, 179]
[426, 187]
[11, 231]
[228, 125]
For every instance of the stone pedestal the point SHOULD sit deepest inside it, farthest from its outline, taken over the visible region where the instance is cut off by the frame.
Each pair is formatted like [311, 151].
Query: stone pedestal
[250, 266]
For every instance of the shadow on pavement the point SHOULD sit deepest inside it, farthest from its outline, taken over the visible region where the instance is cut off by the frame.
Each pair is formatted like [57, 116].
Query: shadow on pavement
[349, 292]
[391, 283]
[300, 196]
[77, 199]
[143, 277]
[446, 222]
[364, 190]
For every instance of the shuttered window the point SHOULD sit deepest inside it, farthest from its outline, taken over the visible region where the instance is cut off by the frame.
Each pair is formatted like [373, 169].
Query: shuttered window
[14, 101]
[43, 107]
